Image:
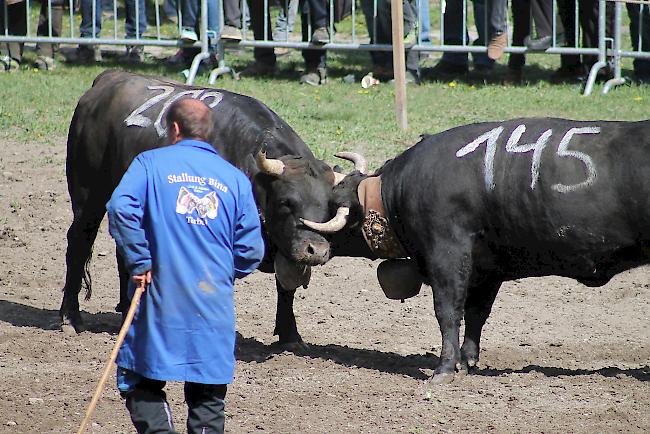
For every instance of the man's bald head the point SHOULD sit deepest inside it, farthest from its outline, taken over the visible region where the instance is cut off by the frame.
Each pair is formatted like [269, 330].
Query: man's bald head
[189, 119]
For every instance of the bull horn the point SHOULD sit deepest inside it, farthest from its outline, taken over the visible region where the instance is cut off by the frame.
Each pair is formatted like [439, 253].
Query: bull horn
[269, 166]
[336, 224]
[338, 177]
[360, 163]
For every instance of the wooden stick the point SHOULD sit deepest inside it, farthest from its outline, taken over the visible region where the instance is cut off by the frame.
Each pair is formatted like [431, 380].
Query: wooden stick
[399, 63]
[109, 363]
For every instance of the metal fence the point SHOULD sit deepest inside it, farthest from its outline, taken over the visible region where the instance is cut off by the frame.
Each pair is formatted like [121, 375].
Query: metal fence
[432, 26]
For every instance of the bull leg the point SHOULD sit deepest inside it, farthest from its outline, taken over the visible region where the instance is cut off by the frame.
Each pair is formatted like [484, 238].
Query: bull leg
[477, 309]
[88, 215]
[123, 305]
[448, 271]
[81, 236]
[285, 321]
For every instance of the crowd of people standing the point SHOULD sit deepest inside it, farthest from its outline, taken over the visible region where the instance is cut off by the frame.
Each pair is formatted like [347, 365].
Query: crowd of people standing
[533, 25]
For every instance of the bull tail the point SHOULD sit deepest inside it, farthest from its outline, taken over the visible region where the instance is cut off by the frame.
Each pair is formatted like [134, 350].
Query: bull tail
[87, 280]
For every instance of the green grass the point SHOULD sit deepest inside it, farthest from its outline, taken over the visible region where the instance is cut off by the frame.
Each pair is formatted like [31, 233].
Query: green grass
[37, 106]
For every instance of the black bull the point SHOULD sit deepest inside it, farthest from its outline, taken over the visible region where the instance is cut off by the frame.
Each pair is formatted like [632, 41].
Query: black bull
[123, 114]
[480, 204]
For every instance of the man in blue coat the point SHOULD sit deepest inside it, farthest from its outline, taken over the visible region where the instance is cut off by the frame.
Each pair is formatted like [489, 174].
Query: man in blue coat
[185, 221]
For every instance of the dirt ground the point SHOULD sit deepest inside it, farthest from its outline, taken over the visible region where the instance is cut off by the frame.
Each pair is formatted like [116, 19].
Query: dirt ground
[557, 356]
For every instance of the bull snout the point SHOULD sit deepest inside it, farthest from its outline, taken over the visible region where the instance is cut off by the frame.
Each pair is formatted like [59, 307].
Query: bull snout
[312, 252]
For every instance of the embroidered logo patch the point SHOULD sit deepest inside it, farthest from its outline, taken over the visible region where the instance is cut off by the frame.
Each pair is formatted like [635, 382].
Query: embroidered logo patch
[205, 206]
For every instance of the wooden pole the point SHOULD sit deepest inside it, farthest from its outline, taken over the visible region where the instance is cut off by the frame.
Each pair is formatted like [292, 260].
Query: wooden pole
[399, 62]
[109, 363]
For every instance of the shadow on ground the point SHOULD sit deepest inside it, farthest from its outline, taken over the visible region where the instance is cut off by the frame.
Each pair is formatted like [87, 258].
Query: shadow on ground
[21, 315]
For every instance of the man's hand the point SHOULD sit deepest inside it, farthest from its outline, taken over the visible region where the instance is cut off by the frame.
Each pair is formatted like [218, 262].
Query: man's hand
[144, 277]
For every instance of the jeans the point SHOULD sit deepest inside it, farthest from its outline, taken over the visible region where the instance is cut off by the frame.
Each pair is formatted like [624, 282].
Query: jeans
[286, 20]
[86, 28]
[192, 11]
[425, 22]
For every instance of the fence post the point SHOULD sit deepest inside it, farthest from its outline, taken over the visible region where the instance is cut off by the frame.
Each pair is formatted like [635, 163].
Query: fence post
[399, 62]
[602, 48]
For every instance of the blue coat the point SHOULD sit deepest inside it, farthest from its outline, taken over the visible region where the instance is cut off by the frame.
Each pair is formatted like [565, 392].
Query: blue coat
[187, 215]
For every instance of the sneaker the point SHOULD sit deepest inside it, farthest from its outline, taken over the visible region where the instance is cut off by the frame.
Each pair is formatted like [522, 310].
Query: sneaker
[258, 69]
[314, 77]
[188, 35]
[320, 36]
[231, 33]
[539, 44]
[497, 46]
[134, 54]
[178, 60]
[45, 63]
[86, 54]
[7, 64]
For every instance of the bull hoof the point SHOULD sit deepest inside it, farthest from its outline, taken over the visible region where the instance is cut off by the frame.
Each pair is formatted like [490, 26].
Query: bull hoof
[71, 326]
[442, 378]
[294, 347]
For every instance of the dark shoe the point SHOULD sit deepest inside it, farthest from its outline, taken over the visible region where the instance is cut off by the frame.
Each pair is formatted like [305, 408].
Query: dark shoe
[540, 44]
[482, 72]
[178, 60]
[314, 77]
[231, 33]
[320, 36]
[448, 69]
[497, 46]
[134, 54]
[258, 69]
[382, 73]
[86, 54]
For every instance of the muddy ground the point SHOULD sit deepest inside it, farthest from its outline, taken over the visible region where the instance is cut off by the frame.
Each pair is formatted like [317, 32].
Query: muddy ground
[557, 356]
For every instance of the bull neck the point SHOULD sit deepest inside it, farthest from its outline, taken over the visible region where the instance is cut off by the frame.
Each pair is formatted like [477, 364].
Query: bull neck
[196, 143]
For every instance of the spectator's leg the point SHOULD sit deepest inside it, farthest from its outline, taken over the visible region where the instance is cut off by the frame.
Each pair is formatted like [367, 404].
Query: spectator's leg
[205, 407]
[146, 402]
[232, 13]
[46, 50]
[17, 26]
[133, 32]
[315, 60]
[453, 28]
[543, 17]
[170, 10]
[636, 12]
[191, 9]
[264, 57]
[589, 23]
[498, 10]
[377, 57]
[482, 22]
[318, 11]
[425, 22]
[410, 25]
[86, 27]
[520, 29]
[568, 62]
